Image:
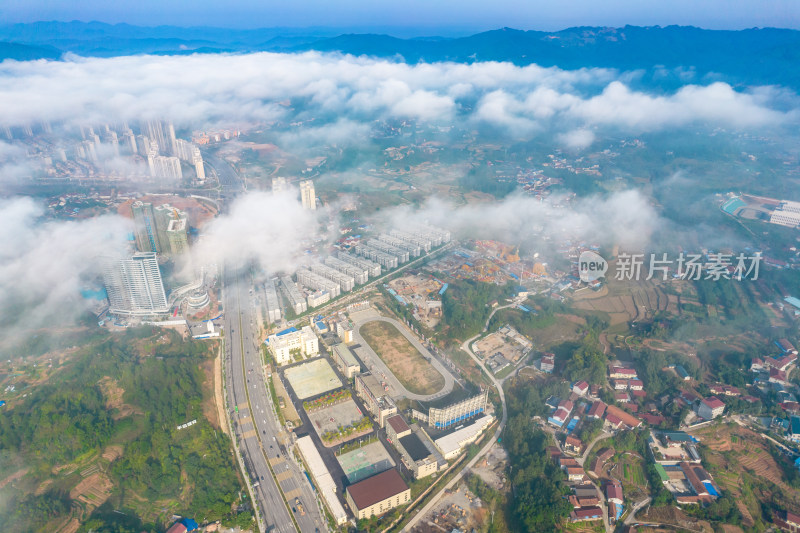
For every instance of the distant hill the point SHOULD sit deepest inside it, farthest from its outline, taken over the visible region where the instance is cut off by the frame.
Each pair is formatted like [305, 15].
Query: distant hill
[755, 56]
[744, 57]
[24, 52]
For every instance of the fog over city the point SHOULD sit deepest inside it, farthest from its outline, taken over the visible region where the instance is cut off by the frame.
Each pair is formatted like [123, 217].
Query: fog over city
[339, 97]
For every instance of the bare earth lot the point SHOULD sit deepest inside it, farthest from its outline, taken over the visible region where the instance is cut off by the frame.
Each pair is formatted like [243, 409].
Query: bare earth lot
[406, 363]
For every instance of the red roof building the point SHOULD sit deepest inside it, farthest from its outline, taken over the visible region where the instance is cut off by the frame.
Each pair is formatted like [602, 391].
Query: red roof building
[597, 409]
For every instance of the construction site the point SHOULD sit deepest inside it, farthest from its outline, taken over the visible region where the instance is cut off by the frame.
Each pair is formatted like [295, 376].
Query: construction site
[423, 292]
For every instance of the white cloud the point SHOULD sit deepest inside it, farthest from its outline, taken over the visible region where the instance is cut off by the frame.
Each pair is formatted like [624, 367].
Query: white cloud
[192, 90]
[576, 139]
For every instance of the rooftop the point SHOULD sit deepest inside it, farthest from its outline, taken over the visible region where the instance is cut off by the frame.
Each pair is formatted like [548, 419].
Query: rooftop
[415, 447]
[377, 488]
[398, 424]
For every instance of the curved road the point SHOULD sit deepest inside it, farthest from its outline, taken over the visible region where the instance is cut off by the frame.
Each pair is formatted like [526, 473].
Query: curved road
[381, 366]
[430, 505]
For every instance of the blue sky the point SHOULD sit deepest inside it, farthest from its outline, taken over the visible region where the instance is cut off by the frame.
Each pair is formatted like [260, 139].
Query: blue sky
[440, 16]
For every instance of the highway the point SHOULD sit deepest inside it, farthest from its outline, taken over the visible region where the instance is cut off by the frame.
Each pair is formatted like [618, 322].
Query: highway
[229, 180]
[263, 442]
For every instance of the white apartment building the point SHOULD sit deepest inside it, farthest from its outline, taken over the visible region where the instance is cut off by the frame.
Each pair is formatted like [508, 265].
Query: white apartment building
[284, 343]
[134, 286]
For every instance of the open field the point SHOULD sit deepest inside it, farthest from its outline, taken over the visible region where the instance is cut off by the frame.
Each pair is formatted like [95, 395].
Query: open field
[312, 378]
[406, 363]
[740, 462]
[366, 461]
[334, 416]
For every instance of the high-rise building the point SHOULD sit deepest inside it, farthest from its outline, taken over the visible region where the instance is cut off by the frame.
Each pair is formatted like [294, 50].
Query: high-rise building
[134, 286]
[307, 195]
[197, 161]
[155, 131]
[129, 140]
[164, 167]
[146, 232]
[279, 185]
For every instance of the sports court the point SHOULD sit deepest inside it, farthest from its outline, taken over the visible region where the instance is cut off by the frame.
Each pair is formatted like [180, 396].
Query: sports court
[312, 378]
[366, 461]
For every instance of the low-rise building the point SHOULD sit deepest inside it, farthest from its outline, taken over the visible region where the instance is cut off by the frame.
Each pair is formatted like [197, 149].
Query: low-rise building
[416, 455]
[573, 444]
[380, 405]
[586, 514]
[451, 444]
[597, 409]
[377, 494]
[548, 362]
[710, 408]
[618, 372]
[580, 388]
[345, 360]
[396, 428]
[614, 493]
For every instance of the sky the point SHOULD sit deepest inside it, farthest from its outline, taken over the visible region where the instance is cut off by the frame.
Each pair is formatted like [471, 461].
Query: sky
[440, 16]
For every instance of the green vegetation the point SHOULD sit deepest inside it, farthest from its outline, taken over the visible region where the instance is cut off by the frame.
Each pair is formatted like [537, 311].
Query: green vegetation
[466, 307]
[327, 400]
[70, 421]
[539, 502]
[362, 424]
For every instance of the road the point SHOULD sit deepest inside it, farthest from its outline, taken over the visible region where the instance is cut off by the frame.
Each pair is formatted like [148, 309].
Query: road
[449, 381]
[636, 508]
[488, 446]
[262, 441]
[229, 180]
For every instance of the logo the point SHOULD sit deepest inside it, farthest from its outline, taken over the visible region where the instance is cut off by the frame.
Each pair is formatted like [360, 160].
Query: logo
[591, 266]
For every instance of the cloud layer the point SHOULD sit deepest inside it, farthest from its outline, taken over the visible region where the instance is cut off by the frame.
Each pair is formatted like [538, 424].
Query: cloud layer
[192, 90]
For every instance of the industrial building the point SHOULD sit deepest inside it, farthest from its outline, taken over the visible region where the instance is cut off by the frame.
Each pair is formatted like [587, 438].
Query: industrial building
[412, 248]
[316, 281]
[134, 286]
[384, 259]
[377, 494]
[416, 455]
[453, 414]
[285, 343]
[345, 360]
[396, 428]
[374, 269]
[272, 302]
[401, 254]
[292, 294]
[322, 478]
[358, 273]
[345, 281]
[373, 393]
[451, 444]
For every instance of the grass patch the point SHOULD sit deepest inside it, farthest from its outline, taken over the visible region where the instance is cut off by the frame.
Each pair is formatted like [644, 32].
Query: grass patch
[403, 359]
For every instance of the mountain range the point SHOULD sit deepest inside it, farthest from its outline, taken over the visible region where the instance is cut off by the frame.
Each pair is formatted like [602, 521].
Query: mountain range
[669, 56]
